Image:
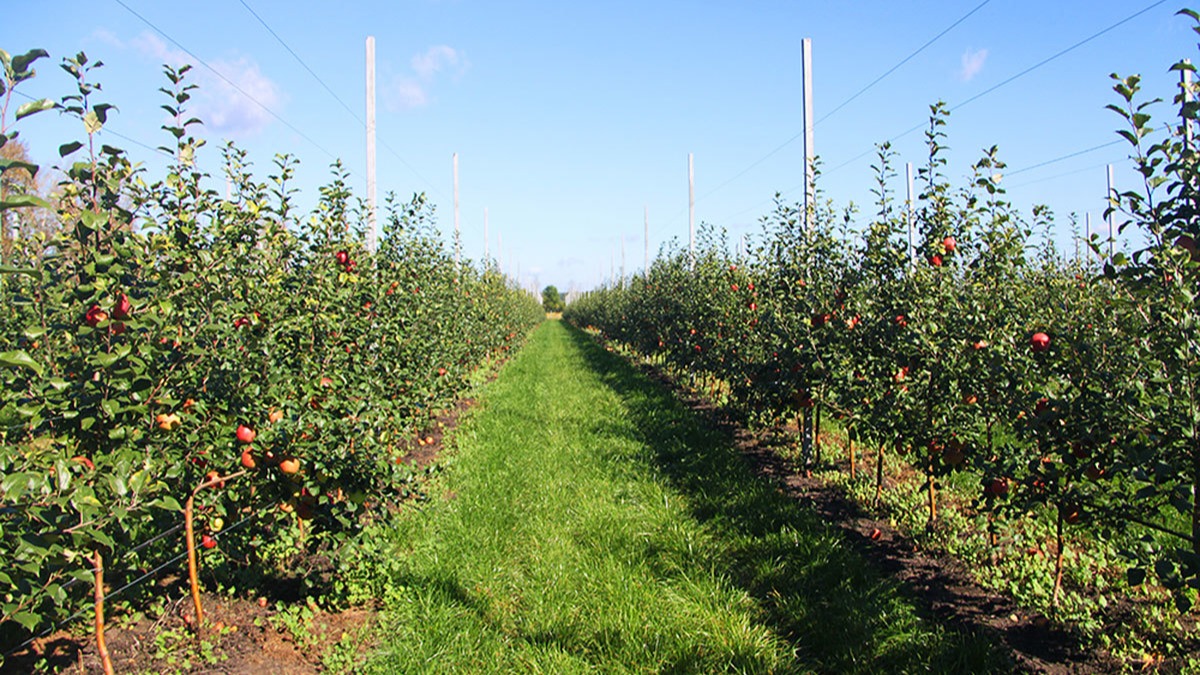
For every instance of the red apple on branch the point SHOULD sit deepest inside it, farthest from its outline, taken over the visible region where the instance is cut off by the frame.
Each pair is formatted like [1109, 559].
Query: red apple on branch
[1039, 342]
[245, 434]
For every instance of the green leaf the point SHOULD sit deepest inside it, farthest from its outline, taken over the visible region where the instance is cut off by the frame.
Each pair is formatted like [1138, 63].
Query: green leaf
[34, 107]
[15, 485]
[7, 164]
[167, 503]
[20, 359]
[67, 148]
[21, 62]
[92, 123]
[23, 202]
[94, 220]
[107, 359]
[118, 484]
[27, 619]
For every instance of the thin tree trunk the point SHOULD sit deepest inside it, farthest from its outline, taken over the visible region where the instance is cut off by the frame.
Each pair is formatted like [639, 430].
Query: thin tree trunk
[879, 476]
[1058, 559]
[193, 567]
[101, 644]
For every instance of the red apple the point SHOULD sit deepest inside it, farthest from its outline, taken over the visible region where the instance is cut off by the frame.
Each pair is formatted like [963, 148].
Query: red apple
[949, 244]
[935, 260]
[1039, 342]
[208, 541]
[342, 257]
[980, 344]
[245, 434]
[998, 487]
[289, 465]
[95, 316]
[248, 460]
[122, 308]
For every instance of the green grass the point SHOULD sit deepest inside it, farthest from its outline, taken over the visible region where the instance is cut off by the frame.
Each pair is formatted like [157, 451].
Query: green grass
[590, 523]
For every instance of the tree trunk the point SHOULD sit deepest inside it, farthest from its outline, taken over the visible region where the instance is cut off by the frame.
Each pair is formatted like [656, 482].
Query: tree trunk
[101, 644]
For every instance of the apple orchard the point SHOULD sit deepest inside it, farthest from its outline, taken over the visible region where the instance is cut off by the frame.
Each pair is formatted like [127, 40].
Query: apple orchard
[166, 346]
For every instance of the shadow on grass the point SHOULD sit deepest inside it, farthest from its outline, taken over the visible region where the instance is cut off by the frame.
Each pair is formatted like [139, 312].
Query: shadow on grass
[839, 612]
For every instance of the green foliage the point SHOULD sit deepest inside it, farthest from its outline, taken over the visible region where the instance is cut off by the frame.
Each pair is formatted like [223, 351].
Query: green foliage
[551, 300]
[934, 358]
[134, 343]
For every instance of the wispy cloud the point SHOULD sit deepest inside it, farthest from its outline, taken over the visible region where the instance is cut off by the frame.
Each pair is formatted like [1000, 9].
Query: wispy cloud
[972, 63]
[228, 111]
[438, 58]
[412, 90]
[217, 102]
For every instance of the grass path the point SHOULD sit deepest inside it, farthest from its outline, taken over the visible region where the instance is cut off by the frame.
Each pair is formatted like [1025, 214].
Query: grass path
[589, 523]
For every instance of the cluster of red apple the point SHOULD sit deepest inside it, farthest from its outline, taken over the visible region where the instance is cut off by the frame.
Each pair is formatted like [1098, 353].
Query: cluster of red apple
[343, 259]
[245, 435]
[121, 311]
[949, 244]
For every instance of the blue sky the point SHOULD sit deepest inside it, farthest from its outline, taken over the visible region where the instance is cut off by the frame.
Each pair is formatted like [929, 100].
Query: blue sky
[570, 118]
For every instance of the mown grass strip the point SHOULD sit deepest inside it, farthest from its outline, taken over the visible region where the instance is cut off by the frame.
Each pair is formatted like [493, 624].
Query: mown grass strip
[591, 523]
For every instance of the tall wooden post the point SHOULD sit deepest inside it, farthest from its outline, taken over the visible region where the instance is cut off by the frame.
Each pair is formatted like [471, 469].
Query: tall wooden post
[691, 212]
[809, 177]
[457, 233]
[646, 237]
[909, 215]
[372, 221]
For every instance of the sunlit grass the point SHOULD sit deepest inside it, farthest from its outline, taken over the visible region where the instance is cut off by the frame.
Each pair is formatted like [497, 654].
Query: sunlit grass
[589, 523]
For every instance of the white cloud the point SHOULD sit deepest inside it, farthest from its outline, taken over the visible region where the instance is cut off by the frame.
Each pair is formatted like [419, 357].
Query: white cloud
[405, 92]
[412, 91]
[152, 46]
[107, 37]
[972, 63]
[217, 102]
[437, 58]
[227, 111]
